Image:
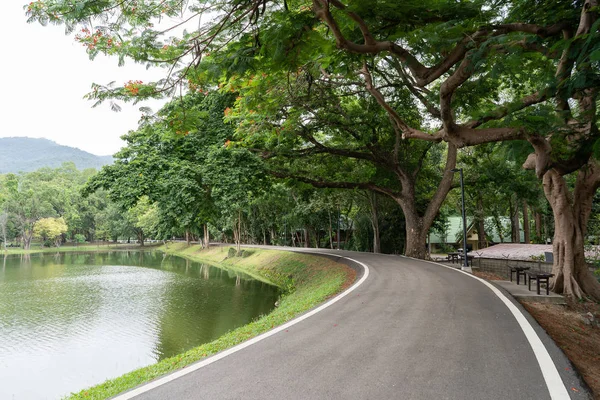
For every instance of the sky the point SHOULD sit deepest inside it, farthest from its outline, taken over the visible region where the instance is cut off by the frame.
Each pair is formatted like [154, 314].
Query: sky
[45, 76]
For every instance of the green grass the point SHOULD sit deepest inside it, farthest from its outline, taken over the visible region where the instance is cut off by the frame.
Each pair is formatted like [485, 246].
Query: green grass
[307, 281]
[70, 248]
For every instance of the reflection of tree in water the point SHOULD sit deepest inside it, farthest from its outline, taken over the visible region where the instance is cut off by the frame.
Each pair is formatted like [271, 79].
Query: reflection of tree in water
[194, 305]
[49, 297]
[208, 304]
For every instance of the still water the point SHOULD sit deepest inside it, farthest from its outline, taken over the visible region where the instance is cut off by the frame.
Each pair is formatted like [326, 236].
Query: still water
[68, 321]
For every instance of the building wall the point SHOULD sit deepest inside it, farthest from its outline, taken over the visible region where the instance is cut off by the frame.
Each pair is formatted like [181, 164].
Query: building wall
[500, 266]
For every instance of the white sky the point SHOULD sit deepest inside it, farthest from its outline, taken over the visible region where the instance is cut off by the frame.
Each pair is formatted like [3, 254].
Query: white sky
[45, 76]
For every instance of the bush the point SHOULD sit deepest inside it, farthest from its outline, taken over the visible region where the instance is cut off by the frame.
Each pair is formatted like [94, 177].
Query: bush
[79, 238]
[231, 252]
[245, 253]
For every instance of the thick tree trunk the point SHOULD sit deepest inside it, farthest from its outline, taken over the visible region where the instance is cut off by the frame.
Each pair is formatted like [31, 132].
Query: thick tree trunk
[206, 236]
[538, 226]
[417, 227]
[416, 237]
[515, 232]
[376, 237]
[26, 241]
[526, 231]
[374, 222]
[571, 214]
[187, 237]
[482, 241]
[498, 225]
[416, 231]
[306, 237]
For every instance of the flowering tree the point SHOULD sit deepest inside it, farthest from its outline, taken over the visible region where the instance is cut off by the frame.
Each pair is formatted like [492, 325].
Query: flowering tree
[480, 71]
[50, 229]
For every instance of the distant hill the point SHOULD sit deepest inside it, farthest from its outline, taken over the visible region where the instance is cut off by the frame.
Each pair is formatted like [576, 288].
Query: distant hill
[22, 154]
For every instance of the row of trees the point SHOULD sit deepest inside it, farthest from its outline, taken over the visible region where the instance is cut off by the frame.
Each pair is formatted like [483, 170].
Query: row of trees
[203, 185]
[147, 200]
[376, 96]
[49, 204]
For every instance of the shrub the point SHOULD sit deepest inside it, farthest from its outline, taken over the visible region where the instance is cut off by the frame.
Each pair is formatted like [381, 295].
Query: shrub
[79, 238]
[231, 252]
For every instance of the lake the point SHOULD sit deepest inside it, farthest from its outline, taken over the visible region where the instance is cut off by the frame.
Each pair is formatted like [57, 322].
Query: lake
[72, 320]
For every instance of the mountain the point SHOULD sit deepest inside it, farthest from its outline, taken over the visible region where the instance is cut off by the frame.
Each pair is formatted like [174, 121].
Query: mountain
[23, 154]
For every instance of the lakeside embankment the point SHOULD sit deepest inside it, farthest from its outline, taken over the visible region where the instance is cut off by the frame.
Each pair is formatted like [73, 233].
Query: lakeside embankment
[306, 281]
[83, 248]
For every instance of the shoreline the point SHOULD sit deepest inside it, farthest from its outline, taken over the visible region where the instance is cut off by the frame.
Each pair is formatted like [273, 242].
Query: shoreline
[306, 281]
[16, 251]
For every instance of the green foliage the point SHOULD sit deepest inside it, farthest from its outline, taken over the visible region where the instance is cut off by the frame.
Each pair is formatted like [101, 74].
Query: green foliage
[50, 229]
[55, 193]
[303, 111]
[231, 252]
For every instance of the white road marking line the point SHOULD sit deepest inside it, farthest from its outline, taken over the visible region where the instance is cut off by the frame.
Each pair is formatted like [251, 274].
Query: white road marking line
[193, 367]
[554, 382]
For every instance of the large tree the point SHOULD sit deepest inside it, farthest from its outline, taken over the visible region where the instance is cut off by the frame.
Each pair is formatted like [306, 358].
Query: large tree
[483, 71]
[319, 130]
[28, 200]
[539, 56]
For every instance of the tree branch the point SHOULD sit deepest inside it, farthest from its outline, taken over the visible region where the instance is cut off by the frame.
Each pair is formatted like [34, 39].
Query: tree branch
[319, 183]
[443, 188]
[399, 123]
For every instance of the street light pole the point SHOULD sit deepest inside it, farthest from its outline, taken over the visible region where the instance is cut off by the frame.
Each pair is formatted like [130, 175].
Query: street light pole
[465, 266]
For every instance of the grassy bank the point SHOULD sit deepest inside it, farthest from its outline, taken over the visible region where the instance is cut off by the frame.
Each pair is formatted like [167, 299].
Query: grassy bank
[307, 281]
[83, 247]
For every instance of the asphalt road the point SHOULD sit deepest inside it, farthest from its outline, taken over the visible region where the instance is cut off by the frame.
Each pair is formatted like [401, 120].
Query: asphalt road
[411, 330]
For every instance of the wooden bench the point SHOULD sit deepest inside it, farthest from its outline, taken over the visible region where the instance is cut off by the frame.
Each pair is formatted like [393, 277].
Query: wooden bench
[453, 257]
[520, 271]
[540, 277]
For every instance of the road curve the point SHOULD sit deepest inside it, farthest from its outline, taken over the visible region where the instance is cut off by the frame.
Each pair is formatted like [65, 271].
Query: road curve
[411, 330]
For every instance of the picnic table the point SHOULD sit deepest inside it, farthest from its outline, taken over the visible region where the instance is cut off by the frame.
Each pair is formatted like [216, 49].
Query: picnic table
[540, 277]
[453, 257]
[520, 271]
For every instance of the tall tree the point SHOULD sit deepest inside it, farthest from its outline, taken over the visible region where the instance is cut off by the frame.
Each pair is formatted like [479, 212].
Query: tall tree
[482, 71]
[317, 130]
[50, 229]
[27, 202]
[168, 165]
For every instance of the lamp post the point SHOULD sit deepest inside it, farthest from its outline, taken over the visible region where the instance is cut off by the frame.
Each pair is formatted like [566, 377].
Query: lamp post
[465, 266]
